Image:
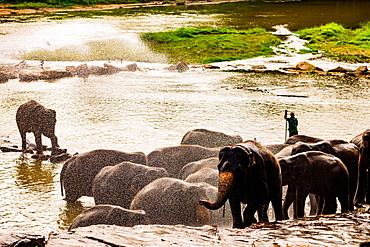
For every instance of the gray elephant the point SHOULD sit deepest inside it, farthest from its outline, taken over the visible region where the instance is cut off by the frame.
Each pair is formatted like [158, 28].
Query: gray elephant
[362, 194]
[195, 166]
[171, 201]
[302, 138]
[78, 172]
[317, 173]
[34, 117]
[109, 215]
[276, 148]
[347, 152]
[118, 184]
[206, 174]
[248, 173]
[175, 157]
[209, 138]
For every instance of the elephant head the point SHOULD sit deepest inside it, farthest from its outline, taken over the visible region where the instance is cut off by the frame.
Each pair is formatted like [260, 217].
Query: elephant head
[233, 161]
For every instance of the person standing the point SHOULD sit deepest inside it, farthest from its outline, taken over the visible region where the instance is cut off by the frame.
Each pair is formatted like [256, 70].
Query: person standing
[292, 122]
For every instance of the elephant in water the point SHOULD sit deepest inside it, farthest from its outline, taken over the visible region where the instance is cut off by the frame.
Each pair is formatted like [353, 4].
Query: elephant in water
[248, 173]
[171, 201]
[195, 166]
[208, 138]
[317, 173]
[34, 117]
[77, 174]
[109, 215]
[118, 184]
[206, 174]
[302, 138]
[175, 157]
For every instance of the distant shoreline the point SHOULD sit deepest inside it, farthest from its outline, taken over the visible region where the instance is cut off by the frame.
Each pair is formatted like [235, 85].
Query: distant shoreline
[10, 12]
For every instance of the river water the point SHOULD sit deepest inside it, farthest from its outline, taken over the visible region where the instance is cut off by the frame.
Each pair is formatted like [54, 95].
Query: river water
[152, 108]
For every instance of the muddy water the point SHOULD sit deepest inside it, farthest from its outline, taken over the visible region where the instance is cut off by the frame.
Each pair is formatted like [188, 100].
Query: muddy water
[144, 110]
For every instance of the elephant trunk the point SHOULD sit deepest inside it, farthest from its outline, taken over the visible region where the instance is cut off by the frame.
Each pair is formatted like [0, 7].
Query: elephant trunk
[225, 186]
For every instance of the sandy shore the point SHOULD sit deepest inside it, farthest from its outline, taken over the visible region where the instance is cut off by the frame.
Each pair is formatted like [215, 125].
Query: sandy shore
[9, 12]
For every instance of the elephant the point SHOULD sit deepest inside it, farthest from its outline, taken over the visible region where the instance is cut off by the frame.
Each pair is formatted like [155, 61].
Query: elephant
[302, 138]
[209, 138]
[357, 140]
[248, 173]
[207, 175]
[195, 166]
[347, 152]
[285, 152]
[172, 201]
[276, 148]
[363, 186]
[34, 117]
[109, 215]
[317, 173]
[173, 158]
[118, 184]
[78, 172]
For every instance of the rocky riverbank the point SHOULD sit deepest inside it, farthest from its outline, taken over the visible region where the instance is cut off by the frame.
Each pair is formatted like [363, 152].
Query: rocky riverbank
[351, 229]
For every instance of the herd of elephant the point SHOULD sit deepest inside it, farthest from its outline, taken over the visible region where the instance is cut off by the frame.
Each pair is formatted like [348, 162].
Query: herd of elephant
[190, 183]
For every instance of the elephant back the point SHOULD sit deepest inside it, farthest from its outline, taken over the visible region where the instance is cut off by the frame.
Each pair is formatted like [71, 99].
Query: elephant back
[208, 138]
[174, 158]
[195, 166]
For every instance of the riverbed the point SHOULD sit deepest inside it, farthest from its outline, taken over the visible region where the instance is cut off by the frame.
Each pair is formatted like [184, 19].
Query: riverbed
[154, 107]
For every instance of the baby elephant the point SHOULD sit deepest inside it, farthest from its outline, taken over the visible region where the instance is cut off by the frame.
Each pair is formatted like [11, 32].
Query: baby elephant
[109, 215]
[34, 117]
[317, 173]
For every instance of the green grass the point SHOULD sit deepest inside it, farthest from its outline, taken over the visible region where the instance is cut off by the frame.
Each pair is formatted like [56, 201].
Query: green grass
[340, 43]
[195, 45]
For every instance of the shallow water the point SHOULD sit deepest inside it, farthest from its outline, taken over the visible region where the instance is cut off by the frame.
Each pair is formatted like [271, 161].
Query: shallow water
[152, 108]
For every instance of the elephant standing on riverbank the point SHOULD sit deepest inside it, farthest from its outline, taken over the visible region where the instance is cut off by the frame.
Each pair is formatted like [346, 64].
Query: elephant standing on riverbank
[317, 173]
[79, 171]
[175, 157]
[109, 215]
[347, 152]
[363, 188]
[118, 184]
[34, 117]
[208, 138]
[248, 173]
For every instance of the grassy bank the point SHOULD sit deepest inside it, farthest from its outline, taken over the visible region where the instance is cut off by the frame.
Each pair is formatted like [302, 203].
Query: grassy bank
[194, 45]
[339, 43]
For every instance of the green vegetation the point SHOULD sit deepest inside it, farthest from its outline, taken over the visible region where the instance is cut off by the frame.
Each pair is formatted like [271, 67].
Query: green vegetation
[195, 45]
[21, 4]
[340, 43]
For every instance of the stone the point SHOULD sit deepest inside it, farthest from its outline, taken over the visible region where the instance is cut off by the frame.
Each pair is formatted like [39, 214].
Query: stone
[339, 69]
[133, 67]
[29, 77]
[54, 74]
[111, 69]
[259, 67]
[82, 70]
[361, 70]
[181, 66]
[305, 66]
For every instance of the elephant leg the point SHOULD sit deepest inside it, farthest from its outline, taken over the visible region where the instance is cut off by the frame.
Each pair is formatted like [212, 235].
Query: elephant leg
[262, 212]
[320, 204]
[367, 200]
[300, 202]
[278, 208]
[330, 205]
[344, 202]
[249, 212]
[289, 199]
[236, 212]
[24, 141]
[314, 204]
[38, 141]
